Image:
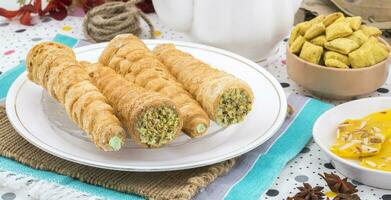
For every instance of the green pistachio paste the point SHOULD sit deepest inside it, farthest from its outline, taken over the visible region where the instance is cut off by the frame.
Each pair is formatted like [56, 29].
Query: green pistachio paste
[234, 105]
[158, 126]
[116, 143]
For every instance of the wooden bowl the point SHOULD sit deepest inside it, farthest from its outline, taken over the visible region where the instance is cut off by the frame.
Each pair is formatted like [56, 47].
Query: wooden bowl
[335, 83]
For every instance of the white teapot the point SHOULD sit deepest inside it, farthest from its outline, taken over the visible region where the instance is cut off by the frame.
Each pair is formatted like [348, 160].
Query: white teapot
[251, 28]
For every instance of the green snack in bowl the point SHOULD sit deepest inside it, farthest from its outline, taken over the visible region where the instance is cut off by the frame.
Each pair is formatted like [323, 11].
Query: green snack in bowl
[304, 26]
[338, 30]
[382, 45]
[359, 37]
[297, 44]
[361, 57]
[336, 56]
[378, 51]
[331, 18]
[370, 30]
[320, 40]
[294, 34]
[314, 31]
[342, 45]
[317, 19]
[354, 22]
[311, 53]
[335, 63]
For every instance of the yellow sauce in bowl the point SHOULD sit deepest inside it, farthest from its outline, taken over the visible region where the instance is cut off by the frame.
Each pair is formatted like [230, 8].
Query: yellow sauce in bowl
[367, 139]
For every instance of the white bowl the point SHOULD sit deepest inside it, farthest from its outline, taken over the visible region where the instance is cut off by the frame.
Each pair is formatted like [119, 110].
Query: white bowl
[324, 133]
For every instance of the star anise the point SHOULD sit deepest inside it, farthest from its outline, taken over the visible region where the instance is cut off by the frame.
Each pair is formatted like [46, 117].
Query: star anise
[347, 197]
[307, 192]
[338, 185]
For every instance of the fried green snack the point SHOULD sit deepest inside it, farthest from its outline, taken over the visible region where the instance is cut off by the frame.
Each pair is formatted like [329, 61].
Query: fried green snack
[336, 64]
[378, 51]
[297, 44]
[354, 22]
[361, 57]
[370, 30]
[331, 55]
[331, 18]
[320, 40]
[382, 45]
[304, 26]
[359, 37]
[311, 53]
[338, 30]
[314, 31]
[341, 45]
[294, 34]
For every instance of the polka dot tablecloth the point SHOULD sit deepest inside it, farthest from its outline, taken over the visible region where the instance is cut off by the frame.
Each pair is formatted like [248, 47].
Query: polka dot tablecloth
[17, 39]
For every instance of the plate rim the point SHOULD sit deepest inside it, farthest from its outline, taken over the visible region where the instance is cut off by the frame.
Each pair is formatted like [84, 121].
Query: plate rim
[330, 154]
[12, 114]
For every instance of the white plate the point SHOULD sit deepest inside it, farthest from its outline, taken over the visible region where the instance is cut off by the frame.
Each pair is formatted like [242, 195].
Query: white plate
[324, 133]
[30, 116]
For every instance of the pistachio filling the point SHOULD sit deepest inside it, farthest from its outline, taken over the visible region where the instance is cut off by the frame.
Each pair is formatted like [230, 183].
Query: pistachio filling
[115, 143]
[234, 105]
[201, 128]
[158, 126]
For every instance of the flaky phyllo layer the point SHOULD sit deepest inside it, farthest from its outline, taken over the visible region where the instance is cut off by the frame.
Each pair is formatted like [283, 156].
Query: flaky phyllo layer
[233, 106]
[158, 126]
[129, 56]
[151, 119]
[225, 98]
[54, 67]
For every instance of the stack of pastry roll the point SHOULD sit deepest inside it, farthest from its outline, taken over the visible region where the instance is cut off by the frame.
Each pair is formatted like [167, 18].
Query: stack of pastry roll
[152, 119]
[130, 57]
[225, 98]
[54, 67]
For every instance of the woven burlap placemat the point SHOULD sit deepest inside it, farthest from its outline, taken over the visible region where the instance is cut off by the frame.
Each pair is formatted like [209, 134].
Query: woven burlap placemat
[183, 184]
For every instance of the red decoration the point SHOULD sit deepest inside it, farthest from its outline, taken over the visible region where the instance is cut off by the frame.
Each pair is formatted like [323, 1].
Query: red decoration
[146, 6]
[58, 9]
[89, 4]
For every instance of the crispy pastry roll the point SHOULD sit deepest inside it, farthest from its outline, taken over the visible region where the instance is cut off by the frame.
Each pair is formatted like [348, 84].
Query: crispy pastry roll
[131, 58]
[150, 118]
[225, 98]
[54, 67]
